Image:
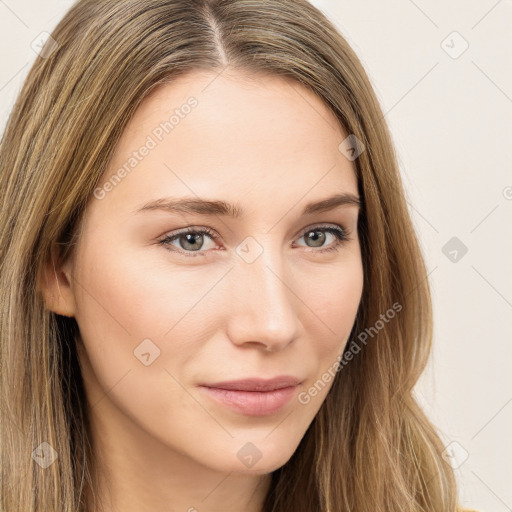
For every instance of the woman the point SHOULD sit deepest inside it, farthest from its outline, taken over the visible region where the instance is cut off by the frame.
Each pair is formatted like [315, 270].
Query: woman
[213, 294]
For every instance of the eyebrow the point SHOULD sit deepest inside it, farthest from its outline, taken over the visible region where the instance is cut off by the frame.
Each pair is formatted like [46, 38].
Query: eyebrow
[218, 207]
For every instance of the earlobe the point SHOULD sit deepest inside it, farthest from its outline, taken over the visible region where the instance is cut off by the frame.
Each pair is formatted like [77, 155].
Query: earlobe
[55, 285]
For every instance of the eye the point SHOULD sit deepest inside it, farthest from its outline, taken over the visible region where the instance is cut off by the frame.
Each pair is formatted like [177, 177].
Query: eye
[192, 240]
[317, 236]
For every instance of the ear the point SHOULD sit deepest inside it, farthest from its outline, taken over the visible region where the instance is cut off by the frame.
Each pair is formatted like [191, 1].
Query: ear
[54, 283]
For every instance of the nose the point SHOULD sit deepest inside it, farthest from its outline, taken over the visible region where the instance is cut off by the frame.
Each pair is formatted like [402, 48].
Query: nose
[262, 312]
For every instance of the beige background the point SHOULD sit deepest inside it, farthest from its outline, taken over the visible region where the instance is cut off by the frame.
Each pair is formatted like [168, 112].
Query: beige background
[450, 113]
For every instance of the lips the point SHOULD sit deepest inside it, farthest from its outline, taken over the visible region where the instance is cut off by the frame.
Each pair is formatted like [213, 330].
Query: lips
[256, 384]
[253, 397]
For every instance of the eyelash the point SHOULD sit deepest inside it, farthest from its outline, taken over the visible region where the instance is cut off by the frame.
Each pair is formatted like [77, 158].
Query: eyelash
[339, 232]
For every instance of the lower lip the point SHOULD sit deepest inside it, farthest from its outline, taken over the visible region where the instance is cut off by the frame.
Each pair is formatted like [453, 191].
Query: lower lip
[252, 403]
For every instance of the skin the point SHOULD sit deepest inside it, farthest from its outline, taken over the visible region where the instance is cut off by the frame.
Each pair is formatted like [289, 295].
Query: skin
[164, 444]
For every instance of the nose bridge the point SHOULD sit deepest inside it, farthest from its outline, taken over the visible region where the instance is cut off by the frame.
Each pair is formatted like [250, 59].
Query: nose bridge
[263, 301]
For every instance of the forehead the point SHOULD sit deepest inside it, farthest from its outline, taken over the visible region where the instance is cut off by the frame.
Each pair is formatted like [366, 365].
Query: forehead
[231, 135]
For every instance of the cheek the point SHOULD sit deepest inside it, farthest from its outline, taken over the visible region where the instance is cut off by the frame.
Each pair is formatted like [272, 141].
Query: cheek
[333, 296]
[125, 301]
[137, 293]
[335, 301]
[131, 313]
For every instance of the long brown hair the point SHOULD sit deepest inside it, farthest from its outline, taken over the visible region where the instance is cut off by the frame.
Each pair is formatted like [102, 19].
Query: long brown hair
[370, 447]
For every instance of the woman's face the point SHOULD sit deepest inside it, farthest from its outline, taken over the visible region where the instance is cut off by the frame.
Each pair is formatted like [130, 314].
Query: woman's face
[269, 292]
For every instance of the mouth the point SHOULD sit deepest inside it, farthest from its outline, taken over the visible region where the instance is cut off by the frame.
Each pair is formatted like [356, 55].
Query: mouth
[253, 397]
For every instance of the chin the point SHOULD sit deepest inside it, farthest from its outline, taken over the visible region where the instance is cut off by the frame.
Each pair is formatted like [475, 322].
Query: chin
[249, 455]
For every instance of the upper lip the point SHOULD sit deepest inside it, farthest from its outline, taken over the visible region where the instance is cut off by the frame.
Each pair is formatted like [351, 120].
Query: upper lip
[257, 384]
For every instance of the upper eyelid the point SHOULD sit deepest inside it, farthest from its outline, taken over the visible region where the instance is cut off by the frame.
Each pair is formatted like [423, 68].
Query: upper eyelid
[326, 225]
[194, 229]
